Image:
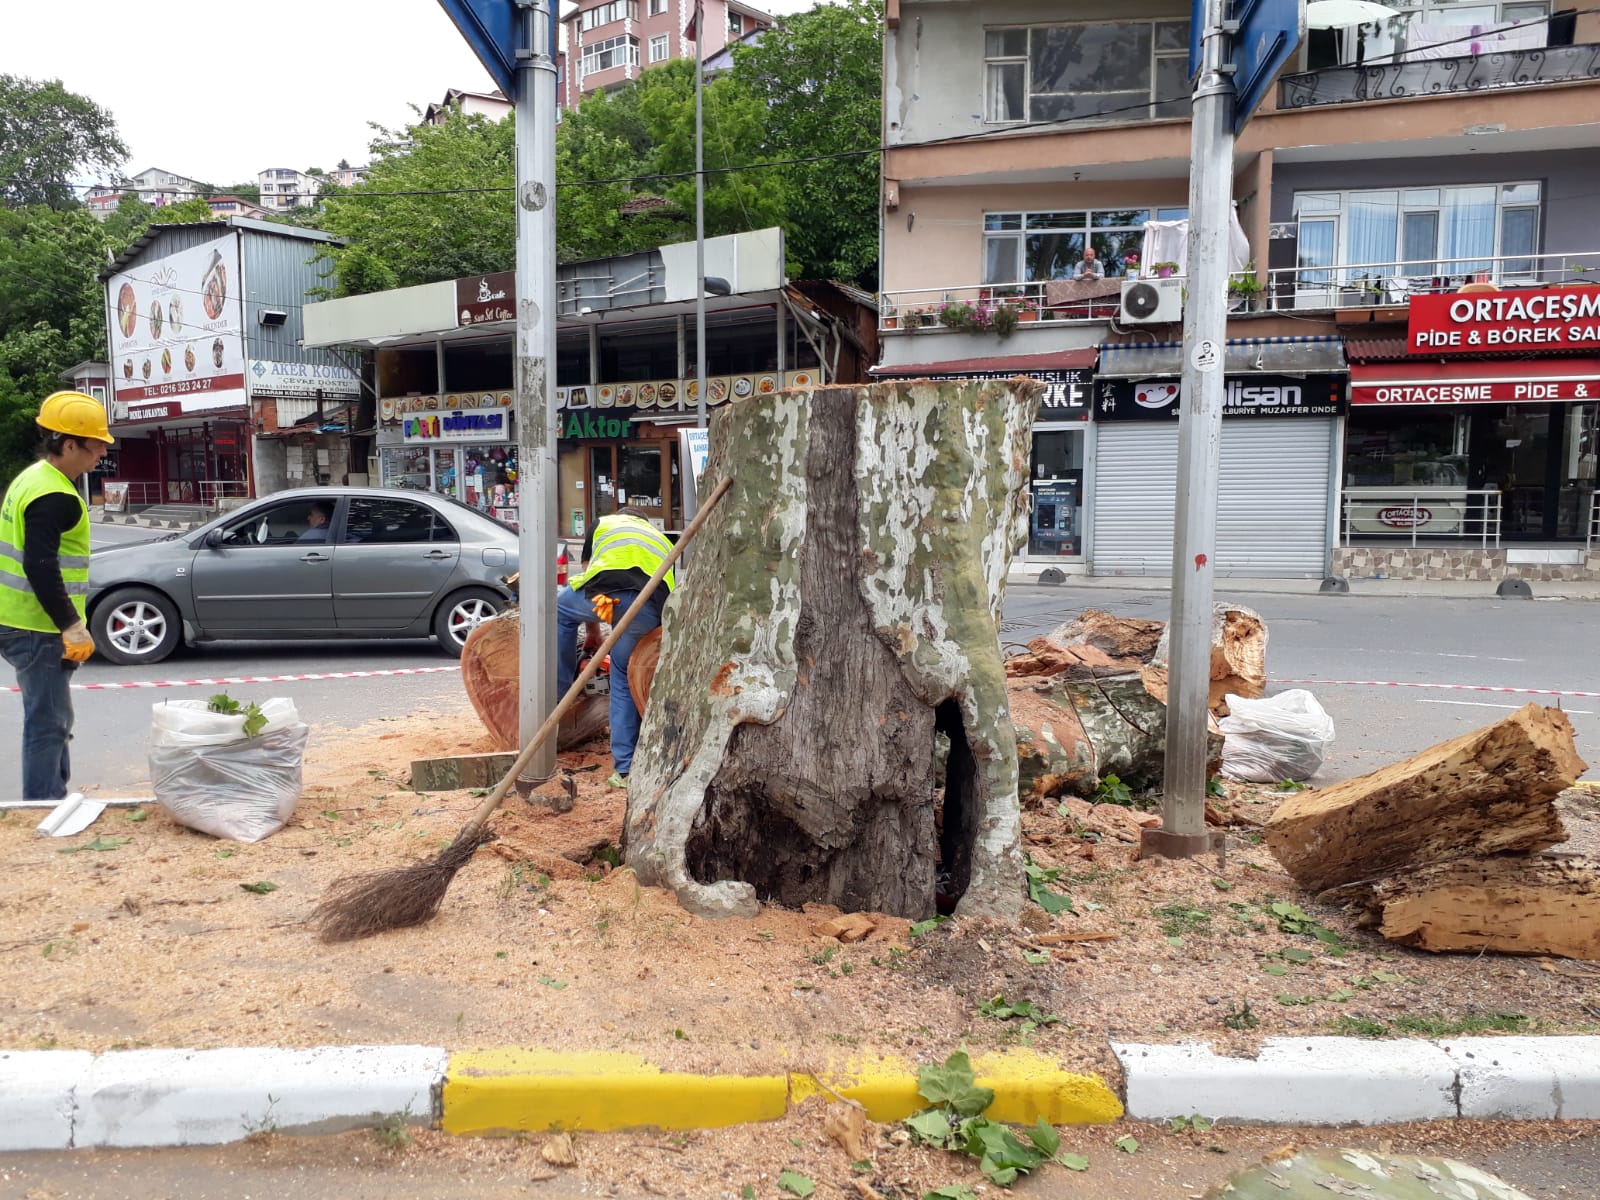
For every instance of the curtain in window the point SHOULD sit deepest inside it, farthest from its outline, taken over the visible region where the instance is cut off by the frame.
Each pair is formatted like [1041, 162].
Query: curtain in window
[1469, 226]
[1374, 231]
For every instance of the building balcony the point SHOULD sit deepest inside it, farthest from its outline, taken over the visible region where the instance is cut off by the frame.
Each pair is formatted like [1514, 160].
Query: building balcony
[1440, 76]
[1387, 284]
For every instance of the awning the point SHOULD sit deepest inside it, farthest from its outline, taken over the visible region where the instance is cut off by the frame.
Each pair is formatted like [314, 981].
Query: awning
[1016, 364]
[1244, 356]
[1521, 381]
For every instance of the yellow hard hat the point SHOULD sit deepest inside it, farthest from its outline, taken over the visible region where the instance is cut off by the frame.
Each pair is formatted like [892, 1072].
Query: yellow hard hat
[75, 415]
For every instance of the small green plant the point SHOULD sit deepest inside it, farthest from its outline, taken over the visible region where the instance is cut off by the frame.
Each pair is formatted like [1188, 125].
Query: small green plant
[1181, 920]
[99, 843]
[254, 719]
[823, 957]
[266, 1125]
[1293, 919]
[1367, 1027]
[1418, 1025]
[796, 1184]
[954, 1121]
[1003, 1010]
[261, 888]
[1291, 785]
[391, 1132]
[1240, 1019]
[1193, 1123]
[1113, 791]
[922, 928]
[1214, 787]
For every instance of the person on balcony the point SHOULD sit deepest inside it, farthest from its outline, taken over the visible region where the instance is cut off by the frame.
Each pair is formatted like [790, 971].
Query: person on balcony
[1090, 267]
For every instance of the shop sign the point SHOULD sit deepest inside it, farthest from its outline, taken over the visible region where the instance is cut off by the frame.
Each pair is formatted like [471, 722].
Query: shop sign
[470, 425]
[302, 380]
[394, 409]
[1066, 396]
[1243, 396]
[1524, 319]
[1404, 516]
[1485, 390]
[614, 424]
[677, 395]
[486, 298]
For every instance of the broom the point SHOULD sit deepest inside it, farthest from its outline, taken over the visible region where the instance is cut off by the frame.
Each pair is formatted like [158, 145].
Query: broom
[358, 906]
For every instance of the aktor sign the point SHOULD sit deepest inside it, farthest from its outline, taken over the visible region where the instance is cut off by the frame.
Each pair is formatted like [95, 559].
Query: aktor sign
[1523, 319]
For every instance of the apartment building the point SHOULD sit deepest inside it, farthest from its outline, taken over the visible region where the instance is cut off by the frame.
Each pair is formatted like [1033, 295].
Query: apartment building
[284, 188]
[608, 42]
[1413, 360]
[492, 105]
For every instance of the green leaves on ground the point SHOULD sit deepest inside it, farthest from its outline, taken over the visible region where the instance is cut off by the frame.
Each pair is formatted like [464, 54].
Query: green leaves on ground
[99, 843]
[1038, 890]
[254, 719]
[1074, 1162]
[796, 1184]
[953, 1087]
[1127, 1144]
[920, 928]
[1003, 1010]
[1113, 791]
[261, 888]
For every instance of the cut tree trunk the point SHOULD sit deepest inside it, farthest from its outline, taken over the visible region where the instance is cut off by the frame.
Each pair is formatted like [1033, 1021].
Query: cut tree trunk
[1507, 904]
[1238, 656]
[1485, 792]
[840, 613]
[491, 674]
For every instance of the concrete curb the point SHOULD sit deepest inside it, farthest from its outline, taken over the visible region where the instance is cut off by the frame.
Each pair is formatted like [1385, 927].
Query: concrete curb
[66, 1100]
[1344, 1081]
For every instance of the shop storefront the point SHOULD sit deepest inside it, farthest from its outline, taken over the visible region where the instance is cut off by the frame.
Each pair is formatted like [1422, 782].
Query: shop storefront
[1447, 442]
[461, 445]
[1283, 406]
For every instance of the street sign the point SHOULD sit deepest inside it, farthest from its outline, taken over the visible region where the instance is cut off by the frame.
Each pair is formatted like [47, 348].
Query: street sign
[1269, 33]
[490, 27]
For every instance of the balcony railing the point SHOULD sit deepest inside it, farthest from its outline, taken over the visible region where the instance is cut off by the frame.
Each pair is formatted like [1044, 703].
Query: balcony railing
[1350, 285]
[1439, 76]
[1413, 515]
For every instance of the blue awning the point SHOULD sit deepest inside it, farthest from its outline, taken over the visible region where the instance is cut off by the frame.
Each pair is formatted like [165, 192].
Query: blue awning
[1244, 356]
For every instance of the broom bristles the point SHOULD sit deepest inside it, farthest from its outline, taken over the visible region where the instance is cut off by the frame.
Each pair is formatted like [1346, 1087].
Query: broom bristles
[358, 906]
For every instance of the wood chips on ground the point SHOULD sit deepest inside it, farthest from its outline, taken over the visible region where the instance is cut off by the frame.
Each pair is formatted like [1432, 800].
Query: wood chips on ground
[540, 942]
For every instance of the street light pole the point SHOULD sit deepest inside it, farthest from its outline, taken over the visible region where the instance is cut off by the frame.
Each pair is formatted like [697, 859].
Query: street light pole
[1205, 324]
[535, 107]
[699, 217]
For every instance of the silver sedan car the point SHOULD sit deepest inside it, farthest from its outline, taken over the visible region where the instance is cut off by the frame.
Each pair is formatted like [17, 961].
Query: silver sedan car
[325, 562]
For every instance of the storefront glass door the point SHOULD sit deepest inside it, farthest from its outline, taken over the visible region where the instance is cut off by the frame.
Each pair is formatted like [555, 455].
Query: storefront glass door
[1580, 442]
[446, 478]
[1056, 523]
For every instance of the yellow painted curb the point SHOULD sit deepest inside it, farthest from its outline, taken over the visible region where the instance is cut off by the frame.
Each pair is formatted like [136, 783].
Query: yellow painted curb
[1027, 1086]
[504, 1091]
[1592, 785]
[508, 1091]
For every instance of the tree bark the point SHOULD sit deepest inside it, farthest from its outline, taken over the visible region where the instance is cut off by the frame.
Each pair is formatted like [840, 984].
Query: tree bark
[1508, 904]
[840, 612]
[1485, 792]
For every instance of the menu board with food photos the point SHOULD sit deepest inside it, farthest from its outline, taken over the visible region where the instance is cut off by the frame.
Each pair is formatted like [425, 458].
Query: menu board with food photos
[680, 395]
[176, 325]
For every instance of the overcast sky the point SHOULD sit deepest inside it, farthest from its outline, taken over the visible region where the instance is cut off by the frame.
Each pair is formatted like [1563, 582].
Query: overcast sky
[219, 93]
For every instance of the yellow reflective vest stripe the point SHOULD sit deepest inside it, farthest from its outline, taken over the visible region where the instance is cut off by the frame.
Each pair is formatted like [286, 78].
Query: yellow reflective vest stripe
[19, 607]
[621, 543]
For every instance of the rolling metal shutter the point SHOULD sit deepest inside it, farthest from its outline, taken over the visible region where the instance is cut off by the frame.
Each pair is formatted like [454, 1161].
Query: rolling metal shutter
[1272, 498]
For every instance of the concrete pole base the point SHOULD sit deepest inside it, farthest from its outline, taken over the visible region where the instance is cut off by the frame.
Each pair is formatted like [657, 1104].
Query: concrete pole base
[1158, 843]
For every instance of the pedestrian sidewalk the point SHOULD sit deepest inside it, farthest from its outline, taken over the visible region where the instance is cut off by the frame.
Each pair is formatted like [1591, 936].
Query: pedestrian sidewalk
[1028, 574]
[67, 1099]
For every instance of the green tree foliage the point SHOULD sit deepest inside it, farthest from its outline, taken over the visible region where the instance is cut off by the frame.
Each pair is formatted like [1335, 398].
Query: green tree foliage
[424, 236]
[185, 212]
[819, 76]
[48, 135]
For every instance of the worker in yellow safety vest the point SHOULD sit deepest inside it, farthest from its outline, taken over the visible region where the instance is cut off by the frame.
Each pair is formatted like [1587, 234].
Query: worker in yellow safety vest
[622, 552]
[44, 583]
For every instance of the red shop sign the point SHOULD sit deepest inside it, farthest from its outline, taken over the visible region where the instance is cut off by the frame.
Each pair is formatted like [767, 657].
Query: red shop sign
[1520, 319]
[1524, 381]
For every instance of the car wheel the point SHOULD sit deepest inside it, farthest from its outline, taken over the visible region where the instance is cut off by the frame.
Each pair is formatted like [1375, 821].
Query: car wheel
[463, 612]
[136, 625]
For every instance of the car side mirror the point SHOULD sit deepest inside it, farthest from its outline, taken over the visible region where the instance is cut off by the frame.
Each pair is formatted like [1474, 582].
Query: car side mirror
[214, 540]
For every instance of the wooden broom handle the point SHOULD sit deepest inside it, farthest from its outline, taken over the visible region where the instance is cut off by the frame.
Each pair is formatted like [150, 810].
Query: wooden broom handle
[553, 721]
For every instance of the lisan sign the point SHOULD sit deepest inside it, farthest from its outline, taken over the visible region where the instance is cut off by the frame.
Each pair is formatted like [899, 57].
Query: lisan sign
[1529, 319]
[471, 425]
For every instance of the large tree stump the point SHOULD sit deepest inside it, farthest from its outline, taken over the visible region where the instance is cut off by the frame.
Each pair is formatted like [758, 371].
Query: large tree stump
[841, 610]
[1486, 792]
[1507, 904]
[491, 673]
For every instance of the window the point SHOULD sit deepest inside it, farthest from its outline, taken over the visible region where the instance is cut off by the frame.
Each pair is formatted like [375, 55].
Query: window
[391, 521]
[1130, 71]
[657, 7]
[1418, 232]
[1022, 247]
[1429, 29]
[605, 14]
[735, 26]
[658, 48]
[282, 525]
[613, 52]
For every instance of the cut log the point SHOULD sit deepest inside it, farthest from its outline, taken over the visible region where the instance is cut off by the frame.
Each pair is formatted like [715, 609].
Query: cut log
[1508, 904]
[841, 611]
[1238, 656]
[490, 672]
[1113, 636]
[1485, 792]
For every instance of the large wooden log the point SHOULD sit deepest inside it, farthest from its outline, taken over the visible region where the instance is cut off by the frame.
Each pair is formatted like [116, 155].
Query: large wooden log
[1238, 656]
[1485, 792]
[491, 674]
[842, 611]
[1507, 904]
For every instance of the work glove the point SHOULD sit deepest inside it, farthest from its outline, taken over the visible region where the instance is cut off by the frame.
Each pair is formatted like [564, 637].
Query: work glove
[604, 607]
[76, 644]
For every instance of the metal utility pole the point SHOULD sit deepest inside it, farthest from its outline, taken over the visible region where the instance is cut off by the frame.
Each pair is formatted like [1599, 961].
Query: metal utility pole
[535, 102]
[699, 218]
[1183, 831]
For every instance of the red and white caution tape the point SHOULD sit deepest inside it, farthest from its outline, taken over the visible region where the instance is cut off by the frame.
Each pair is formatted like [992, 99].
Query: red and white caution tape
[1448, 687]
[178, 683]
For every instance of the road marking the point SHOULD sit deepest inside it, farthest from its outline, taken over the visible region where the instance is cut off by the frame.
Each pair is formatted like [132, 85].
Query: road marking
[178, 683]
[1581, 712]
[1448, 687]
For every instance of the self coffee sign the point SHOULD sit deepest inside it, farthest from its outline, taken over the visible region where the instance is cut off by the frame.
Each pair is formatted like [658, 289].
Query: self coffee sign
[1533, 319]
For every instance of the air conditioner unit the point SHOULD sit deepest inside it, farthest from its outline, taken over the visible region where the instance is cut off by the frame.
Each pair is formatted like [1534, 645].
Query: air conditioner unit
[1152, 301]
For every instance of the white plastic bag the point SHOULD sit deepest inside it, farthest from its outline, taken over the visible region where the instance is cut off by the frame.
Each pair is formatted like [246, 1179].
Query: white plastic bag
[1275, 738]
[211, 777]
